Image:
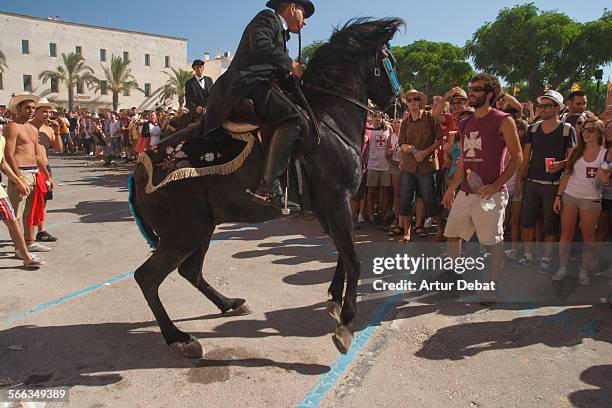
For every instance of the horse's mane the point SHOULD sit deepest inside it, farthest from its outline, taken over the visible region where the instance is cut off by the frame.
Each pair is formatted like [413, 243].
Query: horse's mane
[334, 64]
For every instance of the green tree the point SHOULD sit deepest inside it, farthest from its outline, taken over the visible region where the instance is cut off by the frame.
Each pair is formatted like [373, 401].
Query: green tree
[309, 50]
[175, 85]
[73, 71]
[2, 61]
[118, 78]
[431, 67]
[541, 47]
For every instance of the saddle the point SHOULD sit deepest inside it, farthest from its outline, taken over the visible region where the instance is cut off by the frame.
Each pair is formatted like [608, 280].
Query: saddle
[243, 119]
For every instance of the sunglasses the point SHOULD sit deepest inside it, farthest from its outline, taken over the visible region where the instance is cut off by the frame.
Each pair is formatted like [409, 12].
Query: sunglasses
[476, 89]
[547, 105]
[589, 130]
[415, 99]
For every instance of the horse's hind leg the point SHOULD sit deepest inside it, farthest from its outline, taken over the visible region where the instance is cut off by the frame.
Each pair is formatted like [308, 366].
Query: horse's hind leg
[336, 288]
[150, 276]
[191, 269]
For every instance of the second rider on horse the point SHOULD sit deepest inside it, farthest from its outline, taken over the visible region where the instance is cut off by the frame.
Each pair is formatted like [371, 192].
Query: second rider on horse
[260, 67]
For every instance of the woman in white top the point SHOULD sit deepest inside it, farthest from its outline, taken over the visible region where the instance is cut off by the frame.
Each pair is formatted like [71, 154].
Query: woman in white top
[154, 129]
[579, 195]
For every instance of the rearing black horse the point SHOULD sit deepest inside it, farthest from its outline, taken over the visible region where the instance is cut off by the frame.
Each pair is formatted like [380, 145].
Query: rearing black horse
[181, 217]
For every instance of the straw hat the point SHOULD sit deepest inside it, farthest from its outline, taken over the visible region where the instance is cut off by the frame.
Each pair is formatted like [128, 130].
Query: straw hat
[44, 103]
[420, 94]
[17, 99]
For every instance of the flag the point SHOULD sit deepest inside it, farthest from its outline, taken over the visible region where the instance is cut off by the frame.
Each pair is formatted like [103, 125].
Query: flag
[516, 89]
[576, 87]
[546, 87]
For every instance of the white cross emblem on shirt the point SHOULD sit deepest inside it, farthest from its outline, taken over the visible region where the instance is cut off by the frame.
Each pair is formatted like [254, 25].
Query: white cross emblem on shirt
[471, 143]
[591, 172]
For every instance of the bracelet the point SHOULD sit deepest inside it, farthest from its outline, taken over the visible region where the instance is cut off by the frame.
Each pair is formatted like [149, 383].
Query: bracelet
[21, 177]
[559, 194]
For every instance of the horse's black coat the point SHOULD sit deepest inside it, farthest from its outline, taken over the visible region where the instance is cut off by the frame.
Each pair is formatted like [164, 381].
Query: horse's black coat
[183, 214]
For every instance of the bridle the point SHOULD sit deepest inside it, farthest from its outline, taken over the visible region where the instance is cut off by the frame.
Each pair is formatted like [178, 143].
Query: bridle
[388, 62]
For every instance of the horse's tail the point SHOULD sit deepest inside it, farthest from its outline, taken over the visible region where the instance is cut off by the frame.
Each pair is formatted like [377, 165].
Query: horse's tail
[146, 230]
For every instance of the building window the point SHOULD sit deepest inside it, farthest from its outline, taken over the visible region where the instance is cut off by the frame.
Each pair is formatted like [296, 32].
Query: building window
[147, 60]
[54, 85]
[27, 83]
[147, 89]
[103, 88]
[25, 46]
[79, 86]
[126, 55]
[1, 81]
[126, 92]
[78, 50]
[167, 62]
[52, 49]
[102, 55]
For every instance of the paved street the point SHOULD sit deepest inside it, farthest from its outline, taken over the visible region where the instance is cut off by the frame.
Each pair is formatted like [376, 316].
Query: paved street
[82, 322]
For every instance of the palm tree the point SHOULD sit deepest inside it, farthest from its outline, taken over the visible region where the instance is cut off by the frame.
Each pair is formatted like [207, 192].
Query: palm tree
[118, 79]
[175, 85]
[71, 73]
[2, 61]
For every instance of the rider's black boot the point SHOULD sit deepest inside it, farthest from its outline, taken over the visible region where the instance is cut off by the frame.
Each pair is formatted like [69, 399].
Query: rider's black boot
[277, 160]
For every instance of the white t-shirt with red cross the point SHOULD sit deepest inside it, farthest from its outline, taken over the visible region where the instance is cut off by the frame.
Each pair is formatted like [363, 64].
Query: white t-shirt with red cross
[582, 182]
[377, 160]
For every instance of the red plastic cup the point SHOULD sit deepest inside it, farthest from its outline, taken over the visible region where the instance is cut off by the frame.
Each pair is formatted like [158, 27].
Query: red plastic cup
[549, 162]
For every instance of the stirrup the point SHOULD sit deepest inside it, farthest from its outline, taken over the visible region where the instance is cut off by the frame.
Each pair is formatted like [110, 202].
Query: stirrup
[267, 201]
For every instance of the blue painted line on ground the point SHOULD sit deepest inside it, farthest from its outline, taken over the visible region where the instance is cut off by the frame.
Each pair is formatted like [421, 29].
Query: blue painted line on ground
[223, 236]
[326, 382]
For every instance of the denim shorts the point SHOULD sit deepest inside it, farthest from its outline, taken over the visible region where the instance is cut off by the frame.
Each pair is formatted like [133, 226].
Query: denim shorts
[425, 184]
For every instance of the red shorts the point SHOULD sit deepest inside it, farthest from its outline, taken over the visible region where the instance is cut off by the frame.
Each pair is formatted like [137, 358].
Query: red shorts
[6, 210]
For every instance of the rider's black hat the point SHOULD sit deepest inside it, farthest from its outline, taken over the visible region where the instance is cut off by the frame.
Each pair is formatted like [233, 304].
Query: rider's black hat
[309, 8]
[197, 63]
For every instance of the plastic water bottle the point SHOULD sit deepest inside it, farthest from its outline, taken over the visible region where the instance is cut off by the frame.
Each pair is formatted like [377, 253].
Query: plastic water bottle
[476, 183]
[606, 166]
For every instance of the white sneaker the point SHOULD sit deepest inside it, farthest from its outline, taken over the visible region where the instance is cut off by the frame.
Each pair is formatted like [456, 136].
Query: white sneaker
[511, 254]
[427, 223]
[560, 274]
[18, 254]
[583, 277]
[361, 218]
[91, 153]
[35, 263]
[36, 247]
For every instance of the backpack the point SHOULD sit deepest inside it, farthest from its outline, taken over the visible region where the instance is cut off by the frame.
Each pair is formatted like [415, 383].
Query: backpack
[567, 128]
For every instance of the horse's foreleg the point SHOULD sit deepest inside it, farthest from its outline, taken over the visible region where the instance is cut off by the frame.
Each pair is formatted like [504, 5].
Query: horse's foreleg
[150, 276]
[191, 269]
[341, 231]
[336, 288]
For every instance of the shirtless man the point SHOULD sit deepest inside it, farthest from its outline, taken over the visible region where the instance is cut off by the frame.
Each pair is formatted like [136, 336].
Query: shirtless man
[23, 155]
[48, 138]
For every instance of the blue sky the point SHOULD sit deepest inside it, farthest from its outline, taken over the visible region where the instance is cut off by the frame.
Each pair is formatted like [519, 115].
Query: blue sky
[212, 25]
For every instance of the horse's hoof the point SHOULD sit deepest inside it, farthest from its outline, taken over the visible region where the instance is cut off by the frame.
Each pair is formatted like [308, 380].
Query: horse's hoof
[343, 337]
[334, 309]
[242, 310]
[191, 348]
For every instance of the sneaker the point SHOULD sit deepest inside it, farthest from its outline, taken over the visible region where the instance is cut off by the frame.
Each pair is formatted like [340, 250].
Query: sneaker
[524, 262]
[427, 223]
[583, 277]
[544, 267]
[44, 236]
[91, 154]
[511, 254]
[18, 254]
[560, 274]
[36, 247]
[361, 218]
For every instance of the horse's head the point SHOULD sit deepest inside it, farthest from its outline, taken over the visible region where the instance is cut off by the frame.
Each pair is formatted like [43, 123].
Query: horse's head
[357, 62]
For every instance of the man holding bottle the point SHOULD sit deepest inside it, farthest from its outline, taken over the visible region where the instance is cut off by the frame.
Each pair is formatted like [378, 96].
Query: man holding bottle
[486, 137]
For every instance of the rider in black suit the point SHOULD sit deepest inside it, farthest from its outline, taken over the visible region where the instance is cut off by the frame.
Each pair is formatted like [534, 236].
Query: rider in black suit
[197, 90]
[260, 65]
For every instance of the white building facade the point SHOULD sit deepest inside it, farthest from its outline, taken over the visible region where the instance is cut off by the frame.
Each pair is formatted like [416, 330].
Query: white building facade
[32, 45]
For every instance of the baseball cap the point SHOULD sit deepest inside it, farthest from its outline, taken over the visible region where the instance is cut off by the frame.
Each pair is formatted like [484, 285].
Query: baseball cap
[554, 96]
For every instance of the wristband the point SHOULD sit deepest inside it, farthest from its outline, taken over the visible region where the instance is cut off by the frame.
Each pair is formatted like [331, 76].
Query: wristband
[559, 194]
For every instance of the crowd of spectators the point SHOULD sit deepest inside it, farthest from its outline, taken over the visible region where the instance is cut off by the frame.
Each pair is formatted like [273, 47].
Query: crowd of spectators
[449, 167]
